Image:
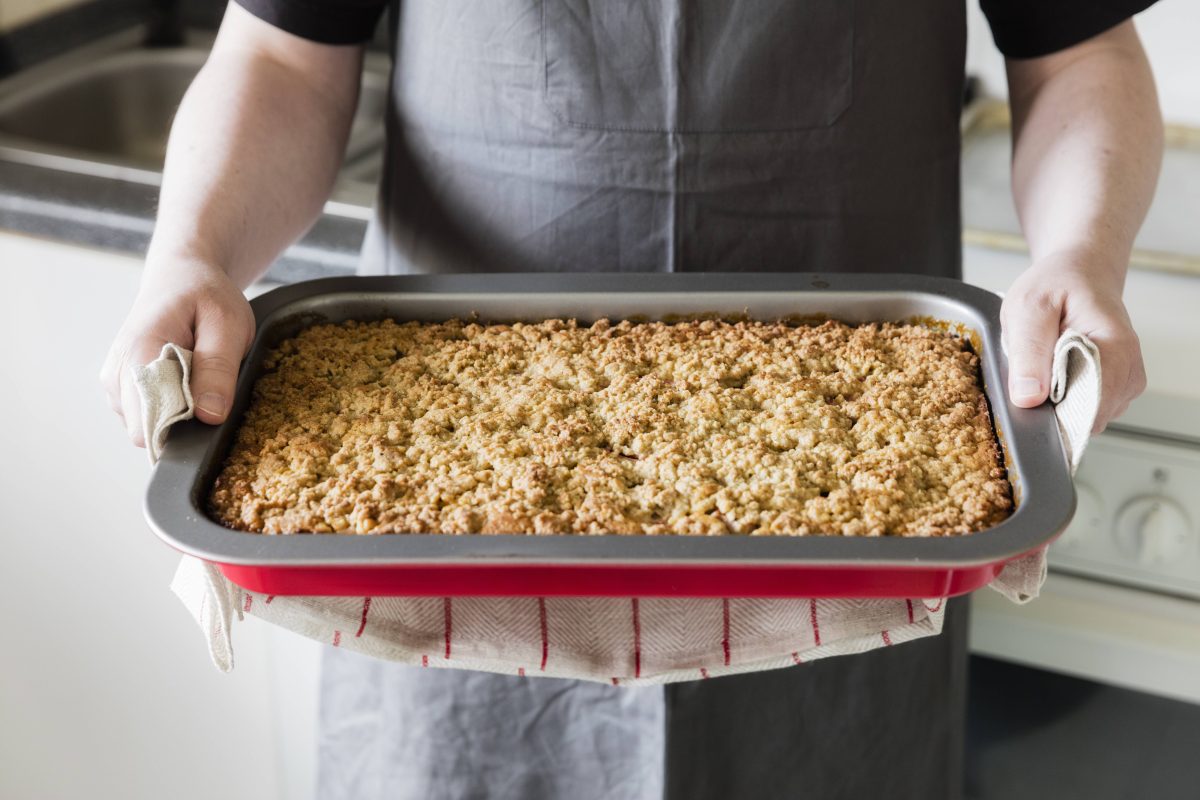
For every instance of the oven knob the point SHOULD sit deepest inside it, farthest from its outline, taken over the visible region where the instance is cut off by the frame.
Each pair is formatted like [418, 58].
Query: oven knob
[1088, 522]
[1153, 529]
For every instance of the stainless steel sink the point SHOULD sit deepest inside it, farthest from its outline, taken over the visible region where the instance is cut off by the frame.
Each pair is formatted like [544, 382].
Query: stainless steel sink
[116, 108]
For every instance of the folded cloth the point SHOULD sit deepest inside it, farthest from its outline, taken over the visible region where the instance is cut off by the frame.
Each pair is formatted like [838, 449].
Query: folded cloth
[625, 641]
[1075, 392]
[164, 390]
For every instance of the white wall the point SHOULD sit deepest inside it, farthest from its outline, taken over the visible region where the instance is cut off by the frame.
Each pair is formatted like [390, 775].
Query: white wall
[1170, 31]
[106, 690]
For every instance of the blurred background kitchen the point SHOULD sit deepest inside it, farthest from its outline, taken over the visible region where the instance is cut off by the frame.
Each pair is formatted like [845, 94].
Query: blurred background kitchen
[106, 691]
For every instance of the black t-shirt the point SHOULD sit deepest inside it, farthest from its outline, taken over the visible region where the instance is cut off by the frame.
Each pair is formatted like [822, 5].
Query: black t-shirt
[1021, 28]
[1030, 28]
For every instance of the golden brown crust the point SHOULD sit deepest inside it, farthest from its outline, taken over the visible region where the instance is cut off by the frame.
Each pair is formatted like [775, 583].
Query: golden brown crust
[695, 428]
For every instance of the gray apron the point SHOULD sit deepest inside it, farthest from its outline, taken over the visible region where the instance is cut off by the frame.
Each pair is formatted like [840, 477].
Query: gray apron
[659, 135]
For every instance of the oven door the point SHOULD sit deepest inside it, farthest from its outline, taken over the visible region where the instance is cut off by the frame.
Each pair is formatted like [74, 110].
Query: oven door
[1093, 689]
[1090, 691]
[1122, 603]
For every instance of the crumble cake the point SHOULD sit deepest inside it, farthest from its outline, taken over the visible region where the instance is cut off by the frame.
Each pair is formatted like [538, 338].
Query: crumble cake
[696, 428]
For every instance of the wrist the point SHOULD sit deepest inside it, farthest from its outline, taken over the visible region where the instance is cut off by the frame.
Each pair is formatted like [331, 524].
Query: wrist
[174, 263]
[1099, 267]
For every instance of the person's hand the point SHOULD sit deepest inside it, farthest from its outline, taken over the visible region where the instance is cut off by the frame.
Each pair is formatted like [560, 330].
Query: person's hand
[1067, 291]
[196, 306]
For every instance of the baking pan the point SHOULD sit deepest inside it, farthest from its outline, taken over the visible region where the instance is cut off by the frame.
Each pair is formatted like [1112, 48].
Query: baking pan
[721, 566]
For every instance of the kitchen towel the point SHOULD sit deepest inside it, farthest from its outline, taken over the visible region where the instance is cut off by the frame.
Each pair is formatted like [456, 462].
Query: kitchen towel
[1076, 367]
[164, 390]
[624, 641]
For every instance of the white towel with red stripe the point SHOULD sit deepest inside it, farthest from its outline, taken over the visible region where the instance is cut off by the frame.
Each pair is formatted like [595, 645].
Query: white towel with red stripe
[624, 641]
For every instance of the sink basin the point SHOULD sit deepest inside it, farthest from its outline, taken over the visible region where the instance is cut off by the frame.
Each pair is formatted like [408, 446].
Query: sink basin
[116, 109]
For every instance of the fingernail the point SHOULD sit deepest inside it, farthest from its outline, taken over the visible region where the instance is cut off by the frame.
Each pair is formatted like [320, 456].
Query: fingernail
[211, 403]
[1026, 389]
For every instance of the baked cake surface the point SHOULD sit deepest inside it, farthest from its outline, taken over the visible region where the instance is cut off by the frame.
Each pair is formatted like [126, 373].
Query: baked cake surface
[698, 428]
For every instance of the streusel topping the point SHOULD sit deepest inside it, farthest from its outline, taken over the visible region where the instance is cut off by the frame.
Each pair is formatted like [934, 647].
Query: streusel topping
[696, 428]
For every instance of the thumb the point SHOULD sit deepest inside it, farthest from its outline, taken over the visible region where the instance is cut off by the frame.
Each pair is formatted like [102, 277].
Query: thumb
[220, 345]
[1031, 328]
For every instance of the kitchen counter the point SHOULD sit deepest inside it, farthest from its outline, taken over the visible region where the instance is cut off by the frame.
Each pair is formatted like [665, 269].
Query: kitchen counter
[117, 214]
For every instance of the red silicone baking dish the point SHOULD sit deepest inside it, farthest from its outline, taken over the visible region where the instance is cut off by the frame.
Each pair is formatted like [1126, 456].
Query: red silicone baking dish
[647, 566]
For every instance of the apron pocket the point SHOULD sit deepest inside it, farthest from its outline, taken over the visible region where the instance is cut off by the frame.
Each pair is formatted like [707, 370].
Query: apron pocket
[706, 66]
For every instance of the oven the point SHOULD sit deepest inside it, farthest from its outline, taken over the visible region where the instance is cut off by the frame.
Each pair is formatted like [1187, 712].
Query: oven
[1093, 689]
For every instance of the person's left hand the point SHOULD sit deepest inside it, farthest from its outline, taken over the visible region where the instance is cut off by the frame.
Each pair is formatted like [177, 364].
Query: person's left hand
[1067, 291]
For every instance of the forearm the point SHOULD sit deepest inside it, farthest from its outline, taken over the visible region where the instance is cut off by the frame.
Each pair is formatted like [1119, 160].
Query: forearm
[253, 152]
[1087, 150]
[1086, 155]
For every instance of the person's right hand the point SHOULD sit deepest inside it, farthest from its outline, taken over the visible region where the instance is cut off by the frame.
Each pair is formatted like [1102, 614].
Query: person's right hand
[196, 306]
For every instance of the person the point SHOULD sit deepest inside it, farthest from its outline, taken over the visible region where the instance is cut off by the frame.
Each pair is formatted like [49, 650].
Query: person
[560, 135]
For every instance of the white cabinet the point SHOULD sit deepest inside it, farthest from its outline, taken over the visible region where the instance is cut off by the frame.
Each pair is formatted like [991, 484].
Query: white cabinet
[106, 690]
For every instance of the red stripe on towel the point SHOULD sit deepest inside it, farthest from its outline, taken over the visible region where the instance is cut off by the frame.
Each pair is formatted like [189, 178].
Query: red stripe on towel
[910, 611]
[725, 628]
[521, 671]
[363, 622]
[424, 660]
[886, 638]
[812, 617]
[615, 681]
[796, 657]
[545, 632]
[249, 602]
[447, 613]
[337, 638]
[270, 597]
[637, 639]
[704, 673]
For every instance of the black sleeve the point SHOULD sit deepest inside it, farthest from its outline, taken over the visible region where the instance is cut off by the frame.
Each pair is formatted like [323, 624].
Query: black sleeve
[324, 21]
[1030, 28]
